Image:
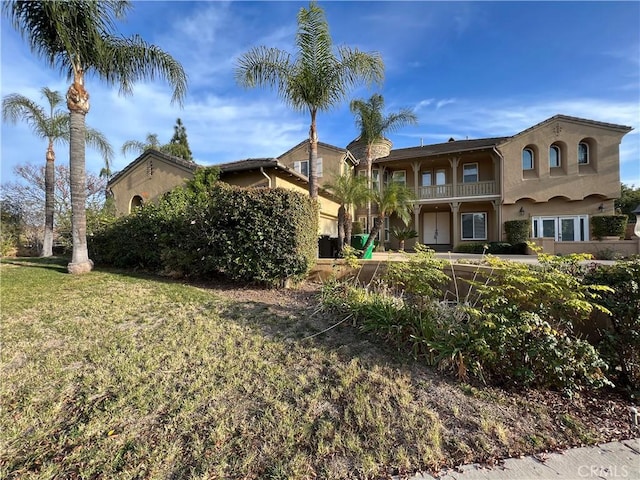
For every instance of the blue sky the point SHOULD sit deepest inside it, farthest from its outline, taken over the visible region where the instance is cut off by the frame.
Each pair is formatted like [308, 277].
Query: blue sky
[468, 70]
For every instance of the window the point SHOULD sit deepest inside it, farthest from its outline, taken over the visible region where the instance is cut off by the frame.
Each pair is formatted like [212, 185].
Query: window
[554, 156]
[399, 176]
[583, 153]
[470, 173]
[527, 159]
[441, 176]
[375, 179]
[365, 224]
[136, 202]
[386, 229]
[474, 226]
[569, 228]
[426, 179]
[303, 167]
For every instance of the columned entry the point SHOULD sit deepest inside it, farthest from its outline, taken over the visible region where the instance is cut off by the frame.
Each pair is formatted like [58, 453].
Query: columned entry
[436, 228]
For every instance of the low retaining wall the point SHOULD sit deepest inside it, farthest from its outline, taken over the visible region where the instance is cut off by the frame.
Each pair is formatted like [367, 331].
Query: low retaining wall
[597, 248]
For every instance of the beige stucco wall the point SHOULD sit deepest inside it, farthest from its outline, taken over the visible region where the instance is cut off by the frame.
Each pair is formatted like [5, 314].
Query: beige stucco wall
[331, 160]
[574, 182]
[149, 179]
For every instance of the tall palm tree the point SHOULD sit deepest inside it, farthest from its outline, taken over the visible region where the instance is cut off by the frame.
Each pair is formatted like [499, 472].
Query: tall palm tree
[374, 125]
[51, 125]
[393, 198]
[351, 191]
[78, 37]
[315, 80]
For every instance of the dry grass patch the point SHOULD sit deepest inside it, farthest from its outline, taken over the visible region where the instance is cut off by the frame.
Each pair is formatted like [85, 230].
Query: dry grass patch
[111, 375]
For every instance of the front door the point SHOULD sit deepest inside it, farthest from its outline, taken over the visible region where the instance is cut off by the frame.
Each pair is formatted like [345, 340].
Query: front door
[436, 228]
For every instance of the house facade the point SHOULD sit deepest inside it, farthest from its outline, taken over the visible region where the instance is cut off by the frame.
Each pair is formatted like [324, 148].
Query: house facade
[558, 174]
[154, 173]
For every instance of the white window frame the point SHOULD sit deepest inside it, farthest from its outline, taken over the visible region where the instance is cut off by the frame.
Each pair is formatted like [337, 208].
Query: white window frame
[393, 178]
[588, 153]
[375, 179]
[477, 172]
[302, 167]
[442, 171]
[426, 172]
[581, 226]
[558, 151]
[474, 236]
[533, 159]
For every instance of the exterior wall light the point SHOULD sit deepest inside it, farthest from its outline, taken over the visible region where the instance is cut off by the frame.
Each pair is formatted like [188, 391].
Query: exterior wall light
[601, 208]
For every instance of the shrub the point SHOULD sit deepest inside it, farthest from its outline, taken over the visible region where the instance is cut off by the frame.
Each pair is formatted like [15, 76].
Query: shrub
[421, 275]
[494, 248]
[258, 235]
[517, 231]
[608, 225]
[621, 345]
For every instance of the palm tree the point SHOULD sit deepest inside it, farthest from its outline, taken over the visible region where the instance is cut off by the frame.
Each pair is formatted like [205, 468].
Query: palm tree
[316, 80]
[374, 125]
[78, 37]
[53, 126]
[393, 198]
[151, 142]
[402, 235]
[351, 191]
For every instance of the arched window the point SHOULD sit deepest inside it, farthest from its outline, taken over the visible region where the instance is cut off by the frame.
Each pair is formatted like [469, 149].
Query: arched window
[527, 159]
[583, 153]
[554, 156]
[136, 202]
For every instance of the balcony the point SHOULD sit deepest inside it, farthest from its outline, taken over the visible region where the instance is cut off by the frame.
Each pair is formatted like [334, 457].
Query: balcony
[476, 189]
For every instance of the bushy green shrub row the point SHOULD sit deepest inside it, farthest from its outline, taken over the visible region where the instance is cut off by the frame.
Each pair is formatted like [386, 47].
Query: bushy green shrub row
[620, 346]
[514, 328]
[493, 248]
[256, 235]
[608, 225]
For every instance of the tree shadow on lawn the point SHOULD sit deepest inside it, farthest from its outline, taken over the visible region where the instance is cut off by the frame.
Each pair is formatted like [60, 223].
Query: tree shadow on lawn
[58, 264]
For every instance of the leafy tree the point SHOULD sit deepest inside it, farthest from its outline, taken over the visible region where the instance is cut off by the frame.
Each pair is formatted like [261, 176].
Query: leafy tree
[50, 124]
[11, 226]
[315, 80]
[351, 191]
[78, 37]
[628, 201]
[393, 198]
[30, 194]
[374, 125]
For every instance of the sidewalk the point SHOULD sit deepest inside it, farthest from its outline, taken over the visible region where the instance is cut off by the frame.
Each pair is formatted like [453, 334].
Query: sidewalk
[615, 460]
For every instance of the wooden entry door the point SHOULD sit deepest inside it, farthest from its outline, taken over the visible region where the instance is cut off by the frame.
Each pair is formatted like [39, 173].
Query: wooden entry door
[436, 228]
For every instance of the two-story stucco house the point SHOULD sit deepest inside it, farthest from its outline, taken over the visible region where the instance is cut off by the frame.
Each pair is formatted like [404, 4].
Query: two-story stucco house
[154, 173]
[558, 173]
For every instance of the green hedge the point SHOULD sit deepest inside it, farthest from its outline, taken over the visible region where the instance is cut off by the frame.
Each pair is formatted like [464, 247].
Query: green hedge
[257, 235]
[609, 225]
[494, 248]
[517, 231]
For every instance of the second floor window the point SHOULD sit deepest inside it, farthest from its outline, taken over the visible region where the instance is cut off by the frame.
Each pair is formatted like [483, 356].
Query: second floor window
[554, 156]
[397, 176]
[583, 153]
[375, 179]
[470, 173]
[303, 167]
[527, 159]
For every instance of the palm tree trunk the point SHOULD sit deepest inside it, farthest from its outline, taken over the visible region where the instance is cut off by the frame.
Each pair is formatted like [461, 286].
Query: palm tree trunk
[377, 225]
[78, 103]
[341, 227]
[348, 219]
[313, 157]
[49, 182]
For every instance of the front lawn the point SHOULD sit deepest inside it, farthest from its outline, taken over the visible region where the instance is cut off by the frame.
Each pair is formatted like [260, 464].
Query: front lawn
[114, 375]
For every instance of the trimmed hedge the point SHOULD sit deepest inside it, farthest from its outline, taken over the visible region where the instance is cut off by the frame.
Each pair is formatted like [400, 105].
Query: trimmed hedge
[494, 248]
[267, 236]
[517, 231]
[609, 225]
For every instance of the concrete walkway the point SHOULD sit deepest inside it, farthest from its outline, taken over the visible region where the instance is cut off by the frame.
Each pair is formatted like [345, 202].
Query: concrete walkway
[615, 460]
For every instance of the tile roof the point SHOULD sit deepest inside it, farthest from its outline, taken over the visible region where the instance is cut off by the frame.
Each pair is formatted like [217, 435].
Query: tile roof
[180, 162]
[445, 148]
